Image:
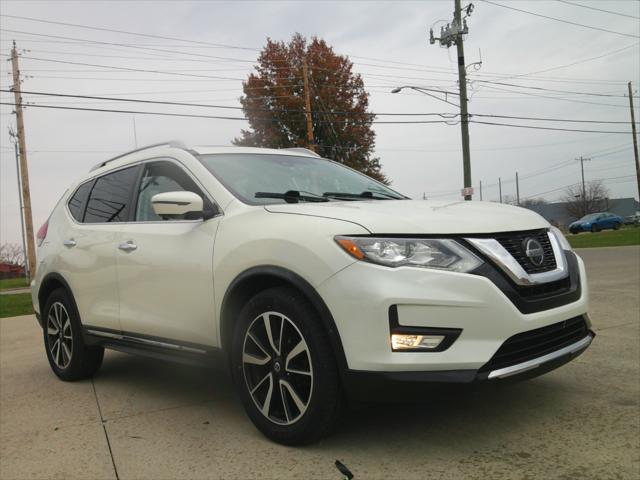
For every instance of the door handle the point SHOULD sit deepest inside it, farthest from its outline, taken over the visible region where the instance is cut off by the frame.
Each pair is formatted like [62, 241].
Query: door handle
[70, 242]
[127, 246]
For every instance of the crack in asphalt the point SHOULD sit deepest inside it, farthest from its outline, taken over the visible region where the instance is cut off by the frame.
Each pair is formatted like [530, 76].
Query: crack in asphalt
[104, 428]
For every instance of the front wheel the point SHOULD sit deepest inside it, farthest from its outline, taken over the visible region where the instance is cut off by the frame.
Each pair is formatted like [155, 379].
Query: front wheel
[69, 357]
[284, 368]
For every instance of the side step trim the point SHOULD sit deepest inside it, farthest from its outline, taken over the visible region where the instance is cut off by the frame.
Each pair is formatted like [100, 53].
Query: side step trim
[145, 341]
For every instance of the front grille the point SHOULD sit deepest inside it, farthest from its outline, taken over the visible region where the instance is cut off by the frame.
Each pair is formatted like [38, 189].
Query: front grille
[514, 244]
[544, 290]
[536, 343]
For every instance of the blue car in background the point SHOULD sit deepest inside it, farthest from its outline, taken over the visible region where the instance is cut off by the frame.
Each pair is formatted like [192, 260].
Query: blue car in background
[594, 222]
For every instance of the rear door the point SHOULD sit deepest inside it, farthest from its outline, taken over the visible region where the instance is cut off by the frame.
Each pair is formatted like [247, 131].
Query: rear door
[165, 267]
[87, 258]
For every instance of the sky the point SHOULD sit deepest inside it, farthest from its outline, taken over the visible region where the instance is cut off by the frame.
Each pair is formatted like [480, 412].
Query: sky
[552, 69]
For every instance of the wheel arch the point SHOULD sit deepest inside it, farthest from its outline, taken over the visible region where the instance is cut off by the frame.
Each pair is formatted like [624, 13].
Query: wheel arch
[254, 280]
[51, 282]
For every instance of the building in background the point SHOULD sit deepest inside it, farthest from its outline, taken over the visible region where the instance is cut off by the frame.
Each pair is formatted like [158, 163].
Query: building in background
[10, 270]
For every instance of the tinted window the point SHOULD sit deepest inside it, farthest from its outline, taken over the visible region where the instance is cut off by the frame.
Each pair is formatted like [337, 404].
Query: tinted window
[77, 201]
[110, 198]
[160, 177]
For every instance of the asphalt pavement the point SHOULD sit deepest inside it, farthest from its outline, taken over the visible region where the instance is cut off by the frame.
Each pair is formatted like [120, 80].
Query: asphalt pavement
[145, 419]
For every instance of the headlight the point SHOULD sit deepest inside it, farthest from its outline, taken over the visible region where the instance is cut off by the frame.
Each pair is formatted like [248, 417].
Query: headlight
[443, 254]
[564, 243]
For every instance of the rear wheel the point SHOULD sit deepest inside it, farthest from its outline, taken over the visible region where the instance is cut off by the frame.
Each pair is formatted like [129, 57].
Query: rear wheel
[284, 368]
[595, 228]
[616, 226]
[69, 357]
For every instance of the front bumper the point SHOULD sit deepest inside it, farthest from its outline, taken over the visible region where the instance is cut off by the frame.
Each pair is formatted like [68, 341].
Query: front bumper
[364, 386]
[361, 296]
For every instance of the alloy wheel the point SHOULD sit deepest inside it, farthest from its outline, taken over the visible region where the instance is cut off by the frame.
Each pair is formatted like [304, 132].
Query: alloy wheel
[59, 335]
[277, 368]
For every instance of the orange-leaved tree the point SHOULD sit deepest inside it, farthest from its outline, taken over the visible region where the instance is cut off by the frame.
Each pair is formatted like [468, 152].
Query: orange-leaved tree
[274, 103]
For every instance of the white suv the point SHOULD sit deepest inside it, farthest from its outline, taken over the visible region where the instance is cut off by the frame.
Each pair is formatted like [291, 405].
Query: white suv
[314, 283]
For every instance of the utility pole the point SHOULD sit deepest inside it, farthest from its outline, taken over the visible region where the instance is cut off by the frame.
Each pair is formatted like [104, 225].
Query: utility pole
[500, 188]
[307, 101]
[14, 140]
[517, 190]
[635, 138]
[24, 172]
[453, 34]
[480, 190]
[584, 188]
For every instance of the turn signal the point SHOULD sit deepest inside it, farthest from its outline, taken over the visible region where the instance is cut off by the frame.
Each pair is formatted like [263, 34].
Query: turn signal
[350, 247]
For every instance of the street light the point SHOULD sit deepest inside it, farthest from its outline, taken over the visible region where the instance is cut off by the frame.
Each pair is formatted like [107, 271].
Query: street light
[467, 191]
[426, 91]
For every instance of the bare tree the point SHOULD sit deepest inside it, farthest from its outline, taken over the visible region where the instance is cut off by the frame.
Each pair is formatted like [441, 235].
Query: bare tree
[11, 253]
[532, 202]
[509, 200]
[594, 199]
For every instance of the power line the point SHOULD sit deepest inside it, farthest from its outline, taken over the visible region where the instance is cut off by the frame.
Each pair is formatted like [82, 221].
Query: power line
[217, 117]
[577, 183]
[562, 99]
[98, 42]
[593, 94]
[128, 69]
[598, 9]
[326, 112]
[396, 122]
[535, 127]
[578, 62]
[102, 29]
[444, 72]
[560, 20]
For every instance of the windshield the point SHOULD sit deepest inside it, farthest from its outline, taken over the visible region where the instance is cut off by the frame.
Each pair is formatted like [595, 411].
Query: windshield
[590, 217]
[257, 178]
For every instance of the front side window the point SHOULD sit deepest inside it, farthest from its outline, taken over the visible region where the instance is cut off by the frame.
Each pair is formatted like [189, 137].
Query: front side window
[110, 198]
[256, 178]
[77, 201]
[160, 177]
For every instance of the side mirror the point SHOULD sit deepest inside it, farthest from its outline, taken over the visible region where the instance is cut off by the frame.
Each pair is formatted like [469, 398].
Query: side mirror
[173, 205]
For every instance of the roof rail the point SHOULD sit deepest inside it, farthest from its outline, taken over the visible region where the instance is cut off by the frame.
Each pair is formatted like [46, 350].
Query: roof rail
[174, 143]
[302, 150]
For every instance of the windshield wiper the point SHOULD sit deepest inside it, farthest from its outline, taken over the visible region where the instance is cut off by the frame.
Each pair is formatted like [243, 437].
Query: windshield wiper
[367, 194]
[293, 196]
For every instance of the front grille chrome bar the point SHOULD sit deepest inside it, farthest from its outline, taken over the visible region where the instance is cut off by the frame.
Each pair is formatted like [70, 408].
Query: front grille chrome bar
[537, 362]
[509, 265]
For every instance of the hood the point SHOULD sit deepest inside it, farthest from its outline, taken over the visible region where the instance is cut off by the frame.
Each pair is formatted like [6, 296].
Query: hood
[421, 217]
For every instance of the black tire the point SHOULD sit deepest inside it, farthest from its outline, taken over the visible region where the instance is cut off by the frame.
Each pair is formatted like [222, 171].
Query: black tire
[325, 401]
[595, 228]
[84, 361]
[616, 226]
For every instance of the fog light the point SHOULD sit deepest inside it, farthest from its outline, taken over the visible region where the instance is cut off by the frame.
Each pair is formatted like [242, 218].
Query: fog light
[401, 342]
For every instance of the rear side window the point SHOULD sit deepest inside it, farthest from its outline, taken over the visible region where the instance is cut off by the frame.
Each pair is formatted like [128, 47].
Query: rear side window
[111, 196]
[78, 201]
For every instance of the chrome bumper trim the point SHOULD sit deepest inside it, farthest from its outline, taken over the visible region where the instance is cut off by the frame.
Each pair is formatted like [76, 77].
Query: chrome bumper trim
[537, 362]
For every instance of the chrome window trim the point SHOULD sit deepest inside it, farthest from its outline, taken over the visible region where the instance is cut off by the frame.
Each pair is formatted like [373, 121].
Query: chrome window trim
[537, 362]
[509, 265]
[134, 164]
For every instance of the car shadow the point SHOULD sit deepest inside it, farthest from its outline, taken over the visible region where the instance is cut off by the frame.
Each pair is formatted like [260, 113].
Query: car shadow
[437, 414]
